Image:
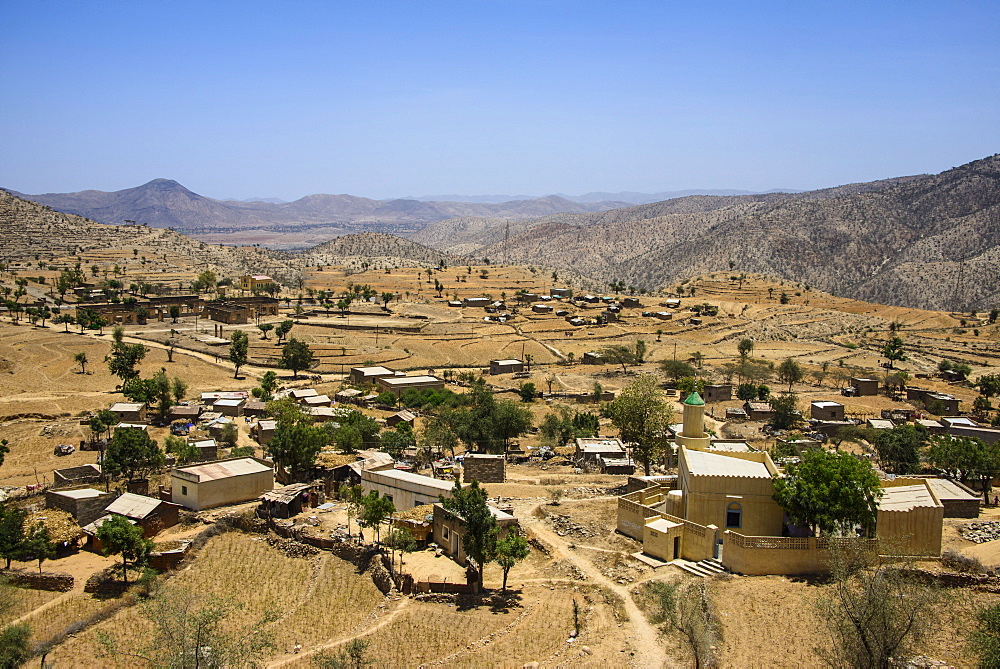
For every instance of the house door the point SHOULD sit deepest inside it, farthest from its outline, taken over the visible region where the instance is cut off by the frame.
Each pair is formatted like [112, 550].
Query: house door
[677, 547]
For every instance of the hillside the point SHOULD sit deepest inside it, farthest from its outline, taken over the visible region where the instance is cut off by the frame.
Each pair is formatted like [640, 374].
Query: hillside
[929, 242]
[163, 203]
[378, 250]
[31, 231]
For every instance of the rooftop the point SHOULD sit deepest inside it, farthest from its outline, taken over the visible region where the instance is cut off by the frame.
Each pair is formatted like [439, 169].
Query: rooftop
[906, 497]
[126, 406]
[131, 505]
[224, 469]
[945, 489]
[368, 371]
[403, 380]
[662, 525]
[82, 493]
[701, 463]
[827, 405]
[694, 400]
[397, 476]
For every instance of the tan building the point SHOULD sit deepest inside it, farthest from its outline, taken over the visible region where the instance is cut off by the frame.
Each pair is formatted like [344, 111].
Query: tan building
[220, 483]
[256, 283]
[505, 366]
[397, 385]
[129, 412]
[405, 489]
[363, 376]
[449, 528]
[826, 410]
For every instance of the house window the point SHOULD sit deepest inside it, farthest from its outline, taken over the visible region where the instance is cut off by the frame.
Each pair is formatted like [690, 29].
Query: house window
[184, 490]
[444, 532]
[734, 515]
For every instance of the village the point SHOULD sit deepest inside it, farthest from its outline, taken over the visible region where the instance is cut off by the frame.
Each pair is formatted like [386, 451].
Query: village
[402, 455]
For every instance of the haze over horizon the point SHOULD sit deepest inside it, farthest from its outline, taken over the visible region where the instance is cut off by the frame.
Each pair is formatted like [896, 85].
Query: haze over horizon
[253, 100]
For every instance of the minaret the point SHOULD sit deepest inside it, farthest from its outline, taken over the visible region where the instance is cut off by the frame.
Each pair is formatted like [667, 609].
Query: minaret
[693, 432]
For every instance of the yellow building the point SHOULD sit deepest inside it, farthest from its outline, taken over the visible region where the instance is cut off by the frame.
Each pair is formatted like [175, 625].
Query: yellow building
[256, 283]
[219, 483]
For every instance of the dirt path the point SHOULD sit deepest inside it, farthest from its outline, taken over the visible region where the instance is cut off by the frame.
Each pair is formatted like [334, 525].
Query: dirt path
[649, 650]
[290, 658]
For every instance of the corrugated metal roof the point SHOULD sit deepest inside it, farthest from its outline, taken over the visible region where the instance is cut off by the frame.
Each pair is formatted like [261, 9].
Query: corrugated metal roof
[131, 505]
[285, 494]
[701, 463]
[225, 469]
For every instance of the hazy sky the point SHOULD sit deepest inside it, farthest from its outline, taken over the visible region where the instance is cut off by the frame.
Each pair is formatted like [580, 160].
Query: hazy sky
[385, 99]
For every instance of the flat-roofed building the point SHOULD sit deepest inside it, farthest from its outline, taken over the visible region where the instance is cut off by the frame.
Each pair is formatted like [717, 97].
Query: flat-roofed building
[256, 282]
[397, 385]
[589, 449]
[230, 408]
[826, 410]
[129, 412]
[864, 387]
[506, 366]
[719, 392]
[219, 483]
[361, 376]
[405, 489]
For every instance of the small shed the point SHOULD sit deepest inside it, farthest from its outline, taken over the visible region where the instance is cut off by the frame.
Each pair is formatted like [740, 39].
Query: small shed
[757, 410]
[541, 308]
[149, 513]
[631, 303]
[208, 449]
[286, 501]
[85, 504]
[129, 412]
[826, 411]
[317, 401]
[76, 475]
[508, 366]
[736, 413]
[228, 407]
[484, 468]
[263, 431]
[864, 387]
[186, 412]
[254, 408]
[622, 466]
[401, 417]
[720, 392]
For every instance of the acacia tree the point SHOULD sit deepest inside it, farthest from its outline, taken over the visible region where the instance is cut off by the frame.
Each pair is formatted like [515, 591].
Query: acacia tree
[893, 350]
[642, 415]
[898, 448]
[790, 372]
[965, 458]
[131, 454]
[509, 551]
[829, 492]
[81, 359]
[296, 356]
[481, 531]
[239, 350]
[120, 537]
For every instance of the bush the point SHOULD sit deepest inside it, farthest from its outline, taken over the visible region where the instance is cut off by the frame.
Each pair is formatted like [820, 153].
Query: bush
[962, 563]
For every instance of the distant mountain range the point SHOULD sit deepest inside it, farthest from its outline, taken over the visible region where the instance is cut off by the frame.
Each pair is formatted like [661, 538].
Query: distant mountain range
[164, 203]
[626, 197]
[929, 241]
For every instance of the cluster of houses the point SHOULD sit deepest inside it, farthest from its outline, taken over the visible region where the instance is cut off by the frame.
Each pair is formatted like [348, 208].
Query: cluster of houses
[720, 506]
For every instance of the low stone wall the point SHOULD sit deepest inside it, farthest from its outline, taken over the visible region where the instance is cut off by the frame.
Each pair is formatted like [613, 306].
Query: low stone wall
[757, 556]
[51, 581]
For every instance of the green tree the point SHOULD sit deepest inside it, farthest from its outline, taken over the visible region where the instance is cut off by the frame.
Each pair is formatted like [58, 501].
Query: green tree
[120, 537]
[965, 459]
[264, 329]
[131, 455]
[989, 385]
[786, 414]
[352, 657]
[395, 442]
[284, 327]
[239, 350]
[124, 358]
[15, 647]
[296, 356]
[528, 392]
[399, 540]
[642, 415]
[38, 545]
[481, 531]
[745, 348]
[893, 351]
[175, 313]
[182, 450]
[899, 448]
[829, 492]
[790, 372]
[677, 369]
[619, 354]
[509, 551]
[268, 384]
[295, 445]
[81, 359]
[375, 510]
[12, 521]
[4, 450]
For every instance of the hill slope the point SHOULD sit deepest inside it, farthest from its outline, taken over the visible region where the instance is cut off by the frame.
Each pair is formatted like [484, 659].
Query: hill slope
[928, 242]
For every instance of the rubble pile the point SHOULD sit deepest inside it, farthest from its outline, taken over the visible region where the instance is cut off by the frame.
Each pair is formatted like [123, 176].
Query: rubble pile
[565, 526]
[981, 531]
[292, 548]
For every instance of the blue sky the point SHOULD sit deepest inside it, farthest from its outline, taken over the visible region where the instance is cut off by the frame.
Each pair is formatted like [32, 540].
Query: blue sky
[386, 99]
